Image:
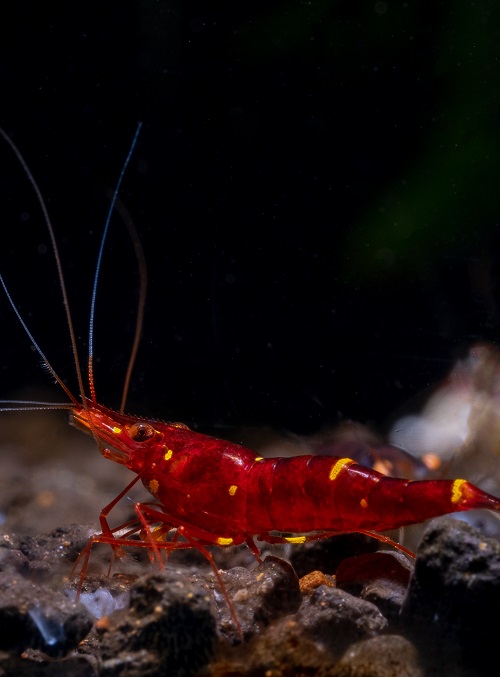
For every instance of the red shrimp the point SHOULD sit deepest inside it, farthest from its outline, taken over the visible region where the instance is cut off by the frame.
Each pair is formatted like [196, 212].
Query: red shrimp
[209, 491]
[224, 494]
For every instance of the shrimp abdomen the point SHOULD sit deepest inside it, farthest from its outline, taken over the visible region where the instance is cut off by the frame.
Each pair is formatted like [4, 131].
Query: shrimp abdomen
[324, 493]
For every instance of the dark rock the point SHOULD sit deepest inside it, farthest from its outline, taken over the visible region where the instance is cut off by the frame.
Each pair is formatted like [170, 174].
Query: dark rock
[382, 656]
[259, 596]
[336, 618]
[33, 664]
[32, 617]
[168, 629]
[11, 558]
[44, 555]
[453, 596]
[283, 650]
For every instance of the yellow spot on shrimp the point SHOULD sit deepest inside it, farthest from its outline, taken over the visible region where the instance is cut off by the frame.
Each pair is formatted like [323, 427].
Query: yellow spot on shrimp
[338, 466]
[232, 489]
[117, 430]
[456, 490]
[295, 539]
[157, 534]
[153, 487]
[224, 541]
[363, 503]
[259, 458]
[168, 455]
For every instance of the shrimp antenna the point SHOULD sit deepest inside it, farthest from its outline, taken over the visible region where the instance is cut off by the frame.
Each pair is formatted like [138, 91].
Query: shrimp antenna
[143, 283]
[46, 363]
[33, 405]
[62, 283]
[90, 363]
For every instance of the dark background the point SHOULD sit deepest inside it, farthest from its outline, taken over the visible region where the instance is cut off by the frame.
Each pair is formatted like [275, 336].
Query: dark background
[315, 186]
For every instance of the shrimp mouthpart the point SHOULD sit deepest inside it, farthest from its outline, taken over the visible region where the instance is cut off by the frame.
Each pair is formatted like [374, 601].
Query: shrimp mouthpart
[91, 423]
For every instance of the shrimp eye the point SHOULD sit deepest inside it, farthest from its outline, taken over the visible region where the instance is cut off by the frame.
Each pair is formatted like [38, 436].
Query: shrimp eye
[140, 432]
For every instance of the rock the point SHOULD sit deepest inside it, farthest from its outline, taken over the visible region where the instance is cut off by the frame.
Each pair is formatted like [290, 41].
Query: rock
[453, 597]
[167, 629]
[44, 555]
[178, 622]
[383, 656]
[259, 596]
[34, 617]
[336, 619]
[34, 664]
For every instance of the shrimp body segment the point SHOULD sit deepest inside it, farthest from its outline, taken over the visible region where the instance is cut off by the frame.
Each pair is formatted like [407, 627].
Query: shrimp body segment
[228, 494]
